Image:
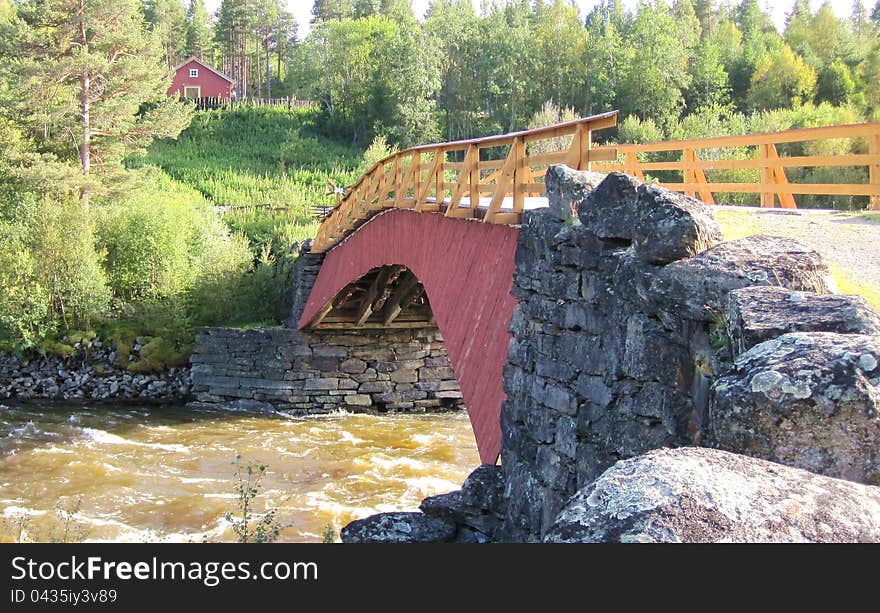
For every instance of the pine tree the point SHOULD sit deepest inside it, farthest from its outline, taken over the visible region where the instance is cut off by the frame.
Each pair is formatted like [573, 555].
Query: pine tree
[397, 10]
[859, 17]
[198, 36]
[364, 8]
[168, 20]
[91, 83]
[325, 10]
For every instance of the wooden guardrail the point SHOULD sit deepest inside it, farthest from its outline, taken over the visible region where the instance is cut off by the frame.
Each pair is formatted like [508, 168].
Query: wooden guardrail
[501, 170]
[696, 156]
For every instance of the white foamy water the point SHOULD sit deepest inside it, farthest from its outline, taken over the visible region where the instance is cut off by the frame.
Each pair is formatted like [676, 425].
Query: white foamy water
[127, 474]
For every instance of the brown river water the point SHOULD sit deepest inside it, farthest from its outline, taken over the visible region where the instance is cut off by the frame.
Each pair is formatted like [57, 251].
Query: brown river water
[166, 474]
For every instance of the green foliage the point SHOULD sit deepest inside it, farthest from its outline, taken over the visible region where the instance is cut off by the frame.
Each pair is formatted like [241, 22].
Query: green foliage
[638, 131]
[151, 238]
[158, 354]
[270, 157]
[89, 102]
[548, 115]
[656, 76]
[50, 272]
[780, 81]
[836, 84]
[219, 274]
[375, 153]
[248, 525]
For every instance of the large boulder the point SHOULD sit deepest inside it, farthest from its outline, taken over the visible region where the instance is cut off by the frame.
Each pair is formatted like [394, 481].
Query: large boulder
[697, 287]
[700, 495]
[567, 187]
[805, 399]
[756, 314]
[672, 226]
[478, 506]
[398, 528]
[611, 209]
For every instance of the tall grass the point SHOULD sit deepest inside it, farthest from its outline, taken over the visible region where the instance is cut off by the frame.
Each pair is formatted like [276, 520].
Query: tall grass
[258, 157]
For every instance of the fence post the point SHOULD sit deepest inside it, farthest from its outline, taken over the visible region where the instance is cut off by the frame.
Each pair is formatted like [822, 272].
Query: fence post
[519, 159]
[475, 179]
[441, 178]
[687, 158]
[778, 176]
[632, 165]
[874, 170]
[586, 144]
[417, 176]
[767, 197]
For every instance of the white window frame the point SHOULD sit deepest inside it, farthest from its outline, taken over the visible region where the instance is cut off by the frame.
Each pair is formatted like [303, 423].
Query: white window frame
[193, 73]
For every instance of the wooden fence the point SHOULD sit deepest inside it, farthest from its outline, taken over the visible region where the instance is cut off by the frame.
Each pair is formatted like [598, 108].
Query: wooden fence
[203, 104]
[695, 157]
[452, 178]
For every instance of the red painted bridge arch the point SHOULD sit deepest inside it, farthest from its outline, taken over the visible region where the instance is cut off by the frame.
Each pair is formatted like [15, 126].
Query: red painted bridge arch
[466, 268]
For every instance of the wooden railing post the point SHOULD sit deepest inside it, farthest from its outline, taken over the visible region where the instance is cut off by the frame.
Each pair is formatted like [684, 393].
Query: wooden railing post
[519, 178]
[461, 186]
[632, 165]
[767, 196]
[586, 145]
[417, 175]
[874, 170]
[422, 197]
[475, 179]
[687, 157]
[778, 177]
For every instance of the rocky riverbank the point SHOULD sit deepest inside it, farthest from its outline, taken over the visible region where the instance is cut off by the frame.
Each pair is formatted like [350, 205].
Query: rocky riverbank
[92, 371]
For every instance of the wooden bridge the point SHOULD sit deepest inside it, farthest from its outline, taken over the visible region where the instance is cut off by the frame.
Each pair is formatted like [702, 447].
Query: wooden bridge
[387, 265]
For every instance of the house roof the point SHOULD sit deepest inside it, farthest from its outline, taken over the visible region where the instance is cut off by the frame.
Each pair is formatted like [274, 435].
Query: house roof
[201, 63]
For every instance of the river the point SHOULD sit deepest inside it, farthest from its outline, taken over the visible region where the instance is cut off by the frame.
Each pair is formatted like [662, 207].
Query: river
[121, 473]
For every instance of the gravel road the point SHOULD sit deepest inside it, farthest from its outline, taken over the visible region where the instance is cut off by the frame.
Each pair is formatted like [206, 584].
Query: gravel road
[850, 241]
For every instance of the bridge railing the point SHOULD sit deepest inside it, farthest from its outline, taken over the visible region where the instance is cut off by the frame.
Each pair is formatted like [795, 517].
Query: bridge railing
[696, 156]
[456, 178]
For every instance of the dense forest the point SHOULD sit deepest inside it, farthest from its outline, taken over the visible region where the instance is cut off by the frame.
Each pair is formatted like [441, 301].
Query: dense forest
[118, 204]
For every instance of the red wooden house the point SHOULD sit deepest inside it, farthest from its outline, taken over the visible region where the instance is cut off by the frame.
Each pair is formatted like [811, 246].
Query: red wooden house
[195, 79]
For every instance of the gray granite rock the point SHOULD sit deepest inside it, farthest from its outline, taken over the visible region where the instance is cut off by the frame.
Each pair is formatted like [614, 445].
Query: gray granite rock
[697, 287]
[478, 505]
[567, 187]
[805, 399]
[398, 528]
[672, 226]
[611, 209]
[698, 495]
[756, 314]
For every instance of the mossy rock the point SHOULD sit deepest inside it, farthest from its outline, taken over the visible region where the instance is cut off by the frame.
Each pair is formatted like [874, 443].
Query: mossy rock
[123, 342]
[157, 355]
[55, 348]
[79, 336]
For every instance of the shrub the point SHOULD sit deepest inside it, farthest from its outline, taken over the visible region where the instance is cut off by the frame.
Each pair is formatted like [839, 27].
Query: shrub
[249, 526]
[548, 115]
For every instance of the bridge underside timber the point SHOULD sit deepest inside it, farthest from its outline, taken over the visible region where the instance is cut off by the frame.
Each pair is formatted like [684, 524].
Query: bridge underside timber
[405, 269]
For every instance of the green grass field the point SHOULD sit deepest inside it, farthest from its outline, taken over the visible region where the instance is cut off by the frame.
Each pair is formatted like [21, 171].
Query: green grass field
[268, 165]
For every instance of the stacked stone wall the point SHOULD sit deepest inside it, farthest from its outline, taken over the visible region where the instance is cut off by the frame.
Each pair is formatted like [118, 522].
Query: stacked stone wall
[281, 369]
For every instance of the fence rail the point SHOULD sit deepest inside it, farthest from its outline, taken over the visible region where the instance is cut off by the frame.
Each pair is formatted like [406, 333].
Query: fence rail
[204, 104]
[487, 177]
[774, 183]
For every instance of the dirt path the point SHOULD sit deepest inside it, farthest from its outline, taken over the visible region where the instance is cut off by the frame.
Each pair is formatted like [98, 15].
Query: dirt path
[850, 241]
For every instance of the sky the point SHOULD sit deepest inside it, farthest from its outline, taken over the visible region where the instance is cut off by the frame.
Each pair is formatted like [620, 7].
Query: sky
[303, 8]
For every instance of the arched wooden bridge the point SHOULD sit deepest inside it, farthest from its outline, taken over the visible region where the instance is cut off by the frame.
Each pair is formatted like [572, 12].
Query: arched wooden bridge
[388, 265]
